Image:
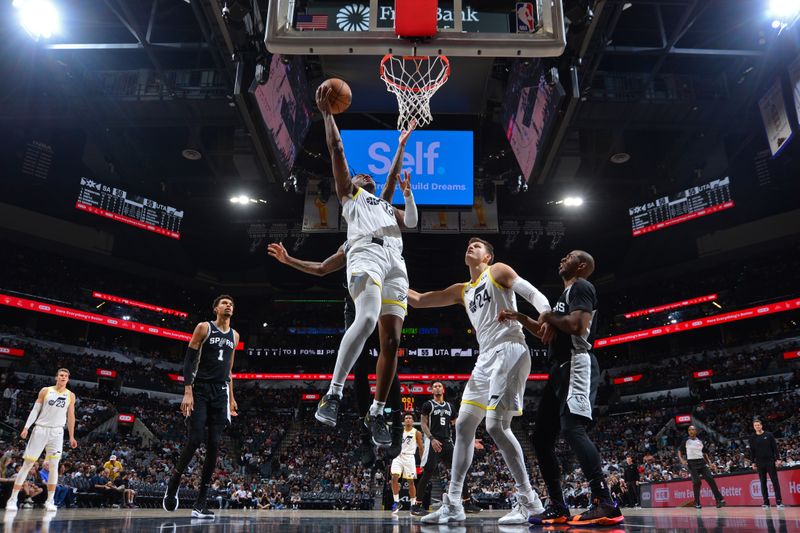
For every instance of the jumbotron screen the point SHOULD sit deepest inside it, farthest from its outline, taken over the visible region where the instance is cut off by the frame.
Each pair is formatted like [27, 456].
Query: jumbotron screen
[681, 207]
[119, 205]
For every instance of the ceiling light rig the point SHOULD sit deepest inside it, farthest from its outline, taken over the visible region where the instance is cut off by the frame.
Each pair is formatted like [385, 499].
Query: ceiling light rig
[39, 18]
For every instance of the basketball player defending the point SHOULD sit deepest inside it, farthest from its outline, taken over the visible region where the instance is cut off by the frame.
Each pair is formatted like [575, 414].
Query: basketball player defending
[438, 417]
[54, 407]
[207, 400]
[404, 464]
[497, 384]
[568, 397]
[376, 278]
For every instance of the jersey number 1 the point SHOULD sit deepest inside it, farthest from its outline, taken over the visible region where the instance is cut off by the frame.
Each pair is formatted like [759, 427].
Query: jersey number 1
[220, 355]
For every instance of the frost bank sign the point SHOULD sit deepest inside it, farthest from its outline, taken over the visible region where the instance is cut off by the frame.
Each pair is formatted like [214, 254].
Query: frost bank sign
[354, 16]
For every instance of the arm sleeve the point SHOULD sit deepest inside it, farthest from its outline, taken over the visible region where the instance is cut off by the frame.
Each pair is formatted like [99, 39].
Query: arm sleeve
[410, 215]
[190, 362]
[34, 415]
[531, 294]
[582, 296]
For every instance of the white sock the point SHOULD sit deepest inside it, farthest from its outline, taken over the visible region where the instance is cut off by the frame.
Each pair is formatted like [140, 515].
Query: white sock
[51, 494]
[336, 389]
[368, 308]
[377, 408]
[413, 501]
[396, 498]
[14, 494]
[463, 451]
[507, 443]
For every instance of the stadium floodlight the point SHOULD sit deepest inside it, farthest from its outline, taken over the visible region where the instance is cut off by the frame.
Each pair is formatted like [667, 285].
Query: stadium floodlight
[573, 201]
[783, 12]
[39, 18]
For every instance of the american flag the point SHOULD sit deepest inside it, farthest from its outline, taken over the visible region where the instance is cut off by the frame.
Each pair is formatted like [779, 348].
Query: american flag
[312, 22]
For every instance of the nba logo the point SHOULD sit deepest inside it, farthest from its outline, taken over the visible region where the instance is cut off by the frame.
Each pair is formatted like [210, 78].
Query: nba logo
[525, 20]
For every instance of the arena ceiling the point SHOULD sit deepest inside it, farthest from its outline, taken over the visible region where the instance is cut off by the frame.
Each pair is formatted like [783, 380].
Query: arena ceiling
[129, 85]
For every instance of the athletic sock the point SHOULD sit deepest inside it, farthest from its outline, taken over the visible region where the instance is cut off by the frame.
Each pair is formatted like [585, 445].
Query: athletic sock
[396, 498]
[413, 501]
[336, 389]
[377, 408]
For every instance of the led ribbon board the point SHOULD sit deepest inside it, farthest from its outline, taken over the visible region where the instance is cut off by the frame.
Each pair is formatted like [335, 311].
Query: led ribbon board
[93, 318]
[713, 320]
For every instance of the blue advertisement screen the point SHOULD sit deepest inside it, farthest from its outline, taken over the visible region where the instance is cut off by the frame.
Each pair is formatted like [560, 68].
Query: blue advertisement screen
[440, 163]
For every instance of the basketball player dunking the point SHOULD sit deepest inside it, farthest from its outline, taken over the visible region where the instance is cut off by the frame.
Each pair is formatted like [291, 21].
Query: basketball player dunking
[207, 400]
[496, 386]
[54, 408]
[404, 464]
[566, 405]
[437, 420]
[376, 278]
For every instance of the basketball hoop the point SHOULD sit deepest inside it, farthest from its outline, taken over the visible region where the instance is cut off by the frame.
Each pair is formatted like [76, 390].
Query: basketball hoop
[414, 80]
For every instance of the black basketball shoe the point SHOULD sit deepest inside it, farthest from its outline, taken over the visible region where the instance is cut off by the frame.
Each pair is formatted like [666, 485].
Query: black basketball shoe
[328, 409]
[379, 430]
[397, 442]
[203, 513]
[553, 514]
[600, 513]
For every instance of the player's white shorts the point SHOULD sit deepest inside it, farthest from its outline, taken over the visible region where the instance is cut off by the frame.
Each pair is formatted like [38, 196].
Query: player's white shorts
[403, 465]
[386, 268]
[41, 438]
[497, 383]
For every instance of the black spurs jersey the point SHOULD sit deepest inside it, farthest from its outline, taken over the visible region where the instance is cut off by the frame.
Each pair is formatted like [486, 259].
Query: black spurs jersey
[440, 417]
[578, 296]
[214, 357]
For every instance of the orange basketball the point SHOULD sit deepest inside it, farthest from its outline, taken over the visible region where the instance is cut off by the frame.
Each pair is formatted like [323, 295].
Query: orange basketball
[340, 95]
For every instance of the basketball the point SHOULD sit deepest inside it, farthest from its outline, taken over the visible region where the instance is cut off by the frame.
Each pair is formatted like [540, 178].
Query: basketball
[340, 96]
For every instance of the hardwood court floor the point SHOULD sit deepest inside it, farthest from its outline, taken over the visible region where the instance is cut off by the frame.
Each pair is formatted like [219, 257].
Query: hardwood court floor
[710, 520]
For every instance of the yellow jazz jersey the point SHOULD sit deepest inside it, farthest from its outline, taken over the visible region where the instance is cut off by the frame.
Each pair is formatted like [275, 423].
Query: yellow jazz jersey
[483, 301]
[368, 216]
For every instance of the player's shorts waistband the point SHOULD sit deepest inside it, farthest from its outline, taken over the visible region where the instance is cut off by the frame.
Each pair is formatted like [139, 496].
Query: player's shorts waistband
[392, 243]
[48, 427]
[504, 340]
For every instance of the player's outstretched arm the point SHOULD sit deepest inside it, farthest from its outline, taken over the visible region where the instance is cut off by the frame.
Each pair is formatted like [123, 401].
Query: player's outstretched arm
[341, 173]
[449, 296]
[508, 278]
[397, 164]
[333, 263]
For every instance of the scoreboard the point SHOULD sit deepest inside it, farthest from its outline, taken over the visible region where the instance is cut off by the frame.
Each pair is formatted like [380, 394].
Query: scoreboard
[686, 205]
[119, 205]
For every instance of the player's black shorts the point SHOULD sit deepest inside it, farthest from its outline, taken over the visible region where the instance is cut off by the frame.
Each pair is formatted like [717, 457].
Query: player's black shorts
[433, 458]
[574, 384]
[211, 406]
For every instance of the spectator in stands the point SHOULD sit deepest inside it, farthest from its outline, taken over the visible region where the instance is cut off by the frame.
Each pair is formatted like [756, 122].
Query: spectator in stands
[114, 467]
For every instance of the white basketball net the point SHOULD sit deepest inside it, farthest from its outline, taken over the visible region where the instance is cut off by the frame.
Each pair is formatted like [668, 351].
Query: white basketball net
[414, 80]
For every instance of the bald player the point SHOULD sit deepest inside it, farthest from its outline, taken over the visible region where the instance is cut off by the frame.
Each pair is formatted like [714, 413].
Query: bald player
[568, 397]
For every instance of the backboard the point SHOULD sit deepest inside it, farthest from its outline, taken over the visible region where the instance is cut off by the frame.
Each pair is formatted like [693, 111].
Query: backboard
[488, 28]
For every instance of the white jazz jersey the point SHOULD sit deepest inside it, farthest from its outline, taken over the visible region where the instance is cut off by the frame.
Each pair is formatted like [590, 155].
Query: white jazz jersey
[409, 446]
[483, 301]
[368, 216]
[54, 409]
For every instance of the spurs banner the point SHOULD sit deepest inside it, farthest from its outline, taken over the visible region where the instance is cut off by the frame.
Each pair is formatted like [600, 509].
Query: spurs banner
[738, 489]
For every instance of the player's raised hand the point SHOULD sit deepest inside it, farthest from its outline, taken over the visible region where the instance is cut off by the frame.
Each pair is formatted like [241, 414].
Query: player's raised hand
[24, 433]
[323, 103]
[404, 135]
[405, 184]
[277, 251]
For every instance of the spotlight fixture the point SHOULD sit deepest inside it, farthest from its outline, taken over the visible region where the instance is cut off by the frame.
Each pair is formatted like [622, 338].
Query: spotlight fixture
[39, 18]
[573, 201]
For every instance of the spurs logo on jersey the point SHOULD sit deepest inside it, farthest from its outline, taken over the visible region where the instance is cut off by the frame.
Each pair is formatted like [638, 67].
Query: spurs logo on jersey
[484, 299]
[222, 342]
